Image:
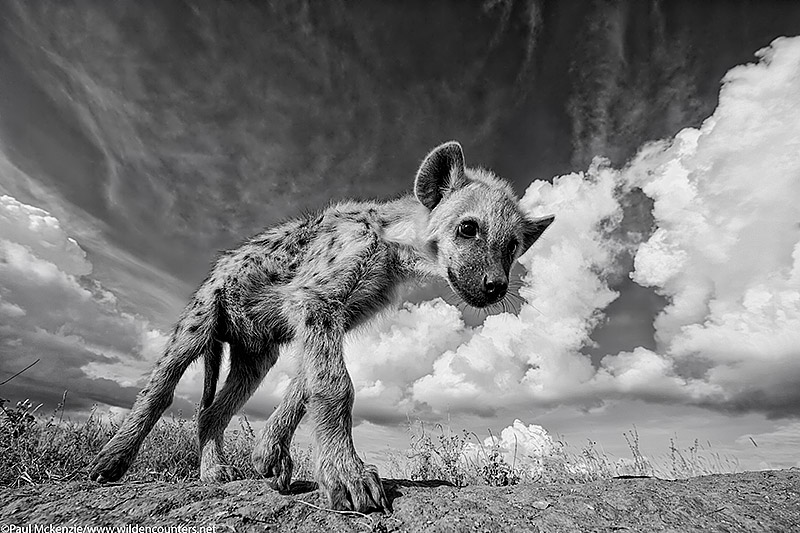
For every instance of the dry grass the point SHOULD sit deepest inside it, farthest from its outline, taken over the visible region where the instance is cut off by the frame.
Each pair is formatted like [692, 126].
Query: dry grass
[438, 454]
[36, 448]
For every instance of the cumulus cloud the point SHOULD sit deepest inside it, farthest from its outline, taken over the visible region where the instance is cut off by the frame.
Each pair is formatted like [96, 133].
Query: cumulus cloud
[52, 310]
[524, 446]
[725, 253]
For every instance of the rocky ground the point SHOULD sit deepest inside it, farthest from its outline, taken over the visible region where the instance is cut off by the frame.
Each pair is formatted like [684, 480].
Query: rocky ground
[750, 501]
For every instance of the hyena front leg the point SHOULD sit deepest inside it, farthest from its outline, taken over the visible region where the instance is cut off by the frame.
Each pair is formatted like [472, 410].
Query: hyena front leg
[271, 454]
[247, 371]
[192, 338]
[346, 481]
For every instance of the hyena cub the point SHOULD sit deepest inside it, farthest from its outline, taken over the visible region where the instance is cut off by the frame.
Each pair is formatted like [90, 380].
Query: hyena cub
[312, 280]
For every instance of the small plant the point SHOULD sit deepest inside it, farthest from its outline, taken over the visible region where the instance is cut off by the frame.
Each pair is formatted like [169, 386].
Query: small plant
[641, 465]
[438, 459]
[696, 460]
[19, 419]
[35, 450]
[496, 471]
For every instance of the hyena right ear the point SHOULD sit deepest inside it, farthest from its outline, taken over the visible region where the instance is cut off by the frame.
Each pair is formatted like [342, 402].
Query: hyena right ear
[442, 171]
[533, 229]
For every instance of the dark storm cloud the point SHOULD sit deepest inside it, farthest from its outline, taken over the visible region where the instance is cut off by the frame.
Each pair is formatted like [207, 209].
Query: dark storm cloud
[214, 119]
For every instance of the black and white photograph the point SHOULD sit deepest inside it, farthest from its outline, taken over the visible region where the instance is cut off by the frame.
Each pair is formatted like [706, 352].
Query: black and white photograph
[399, 266]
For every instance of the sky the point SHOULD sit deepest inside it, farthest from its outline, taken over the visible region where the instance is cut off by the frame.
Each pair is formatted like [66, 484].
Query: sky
[137, 141]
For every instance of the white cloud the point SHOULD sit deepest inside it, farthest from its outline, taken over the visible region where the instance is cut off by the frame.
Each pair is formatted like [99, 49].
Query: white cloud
[725, 252]
[726, 249]
[41, 233]
[520, 445]
[52, 310]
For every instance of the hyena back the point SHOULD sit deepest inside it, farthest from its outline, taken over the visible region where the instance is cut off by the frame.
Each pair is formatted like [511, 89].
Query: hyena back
[312, 280]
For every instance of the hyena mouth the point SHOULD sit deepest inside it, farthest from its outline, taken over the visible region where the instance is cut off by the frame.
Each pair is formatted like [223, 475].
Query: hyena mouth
[475, 300]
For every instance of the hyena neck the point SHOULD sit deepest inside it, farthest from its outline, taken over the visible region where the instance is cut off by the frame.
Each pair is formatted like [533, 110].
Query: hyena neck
[405, 224]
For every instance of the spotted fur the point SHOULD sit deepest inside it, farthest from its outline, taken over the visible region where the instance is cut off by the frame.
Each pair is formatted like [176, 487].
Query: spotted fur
[311, 280]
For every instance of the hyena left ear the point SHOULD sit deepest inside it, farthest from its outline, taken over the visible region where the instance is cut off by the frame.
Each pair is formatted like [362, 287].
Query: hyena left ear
[441, 172]
[533, 229]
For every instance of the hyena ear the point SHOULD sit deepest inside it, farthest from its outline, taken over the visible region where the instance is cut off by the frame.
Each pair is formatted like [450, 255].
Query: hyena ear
[533, 229]
[442, 171]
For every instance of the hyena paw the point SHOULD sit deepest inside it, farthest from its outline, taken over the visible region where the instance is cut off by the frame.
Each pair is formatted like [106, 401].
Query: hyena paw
[271, 458]
[218, 474]
[351, 485]
[214, 467]
[109, 465]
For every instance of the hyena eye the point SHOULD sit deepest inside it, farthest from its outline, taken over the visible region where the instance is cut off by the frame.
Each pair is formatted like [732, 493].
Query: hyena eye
[468, 229]
[512, 247]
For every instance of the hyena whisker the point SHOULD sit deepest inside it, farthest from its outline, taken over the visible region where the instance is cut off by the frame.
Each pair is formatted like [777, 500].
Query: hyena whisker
[515, 285]
[309, 281]
[453, 300]
[537, 309]
[515, 301]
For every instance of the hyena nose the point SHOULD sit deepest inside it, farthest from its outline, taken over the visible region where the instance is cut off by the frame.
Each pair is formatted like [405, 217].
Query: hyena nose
[495, 287]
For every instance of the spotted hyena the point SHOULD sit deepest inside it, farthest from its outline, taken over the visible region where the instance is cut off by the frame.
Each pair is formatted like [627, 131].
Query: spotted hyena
[312, 280]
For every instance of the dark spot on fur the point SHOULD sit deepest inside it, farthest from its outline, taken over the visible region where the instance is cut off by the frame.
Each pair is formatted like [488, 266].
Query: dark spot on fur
[360, 219]
[193, 328]
[321, 318]
[433, 247]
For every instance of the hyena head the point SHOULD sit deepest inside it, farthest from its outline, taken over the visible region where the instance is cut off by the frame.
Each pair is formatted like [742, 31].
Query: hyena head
[475, 226]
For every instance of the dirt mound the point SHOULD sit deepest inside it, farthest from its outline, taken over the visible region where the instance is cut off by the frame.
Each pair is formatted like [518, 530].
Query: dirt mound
[751, 501]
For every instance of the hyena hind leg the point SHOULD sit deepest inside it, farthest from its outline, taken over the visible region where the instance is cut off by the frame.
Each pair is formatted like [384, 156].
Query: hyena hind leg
[188, 342]
[247, 371]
